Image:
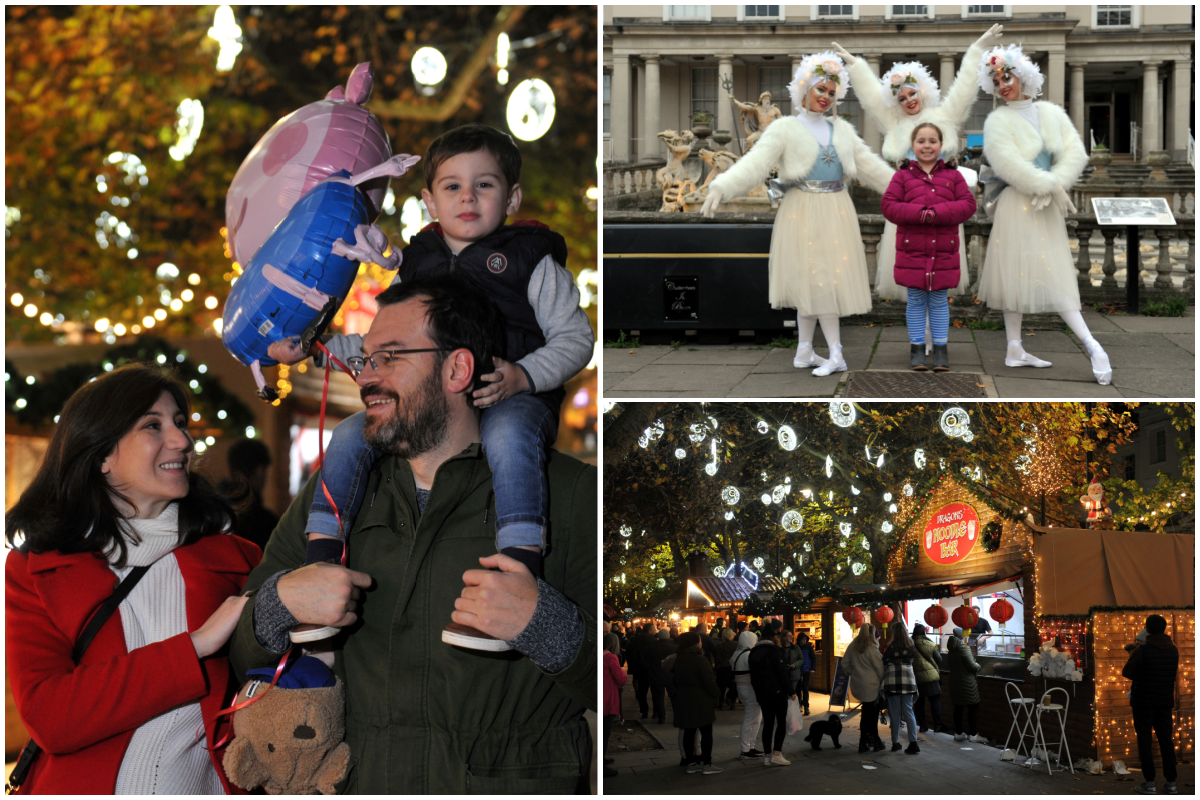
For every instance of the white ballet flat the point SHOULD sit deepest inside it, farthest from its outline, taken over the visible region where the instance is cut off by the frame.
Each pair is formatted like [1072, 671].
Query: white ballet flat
[835, 363]
[1023, 360]
[806, 357]
[1101, 369]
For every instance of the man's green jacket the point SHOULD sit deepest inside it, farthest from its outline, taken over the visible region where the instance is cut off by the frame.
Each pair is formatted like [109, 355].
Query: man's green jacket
[423, 716]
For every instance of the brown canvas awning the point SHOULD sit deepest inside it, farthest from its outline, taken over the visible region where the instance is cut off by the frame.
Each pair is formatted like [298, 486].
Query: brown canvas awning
[1078, 569]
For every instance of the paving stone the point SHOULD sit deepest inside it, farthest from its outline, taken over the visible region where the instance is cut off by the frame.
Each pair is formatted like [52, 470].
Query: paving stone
[1156, 324]
[621, 359]
[1177, 383]
[1185, 340]
[706, 355]
[797, 383]
[698, 381]
[1015, 388]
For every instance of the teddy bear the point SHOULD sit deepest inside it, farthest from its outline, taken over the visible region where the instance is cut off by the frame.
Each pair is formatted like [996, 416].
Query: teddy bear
[290, 740]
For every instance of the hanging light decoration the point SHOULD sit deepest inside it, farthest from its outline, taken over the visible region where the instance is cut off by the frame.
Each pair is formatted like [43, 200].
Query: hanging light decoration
[887, 497]
[728, 515]
[919, 458]
[828, 466]
[531, 109]
[792, 521]
[886, 527]
[429, 70]
[842, 414]
[854, 490]
[778, 494]
[763, 427]
[731, 495]
[853, 616]
[758, 562]
[719, 571]
[954, 422]
[680, 452]
[766, 498]
[908, 490]
[787, 437]
[844, 527]
[626, 530]
[884, 614]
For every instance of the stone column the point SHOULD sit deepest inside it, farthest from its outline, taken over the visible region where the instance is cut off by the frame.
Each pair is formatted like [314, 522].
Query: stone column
[1150, 112]
[637, 93]
[653, 94]
[1077, 105]
[619, 127]
[724, 109]
[870, 133]
[946, 73]
[1056, 76]
[1181, 93]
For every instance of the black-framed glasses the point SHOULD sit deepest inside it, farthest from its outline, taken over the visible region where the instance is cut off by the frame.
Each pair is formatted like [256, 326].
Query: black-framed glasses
[384, 361]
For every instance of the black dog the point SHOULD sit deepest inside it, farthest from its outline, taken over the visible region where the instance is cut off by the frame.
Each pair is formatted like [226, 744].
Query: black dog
[831, 727]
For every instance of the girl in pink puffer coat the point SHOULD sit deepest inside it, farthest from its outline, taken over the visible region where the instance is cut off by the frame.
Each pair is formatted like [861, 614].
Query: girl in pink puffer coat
[928, 199]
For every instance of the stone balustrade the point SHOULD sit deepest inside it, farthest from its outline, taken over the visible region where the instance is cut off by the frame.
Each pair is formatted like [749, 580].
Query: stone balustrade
[622, 179]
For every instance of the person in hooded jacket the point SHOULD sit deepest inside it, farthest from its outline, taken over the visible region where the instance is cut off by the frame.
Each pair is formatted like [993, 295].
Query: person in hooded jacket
[964, 689]
[660, 681]
[864, 664]
[1153, 668]
[724, 651]
[695, 700]
[752, 718]
[772, 687]
[638, 657]
[927, 666]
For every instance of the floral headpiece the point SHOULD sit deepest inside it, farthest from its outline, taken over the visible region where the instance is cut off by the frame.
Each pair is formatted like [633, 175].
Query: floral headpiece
[1010, 60]
[914, 74]
[815, 68]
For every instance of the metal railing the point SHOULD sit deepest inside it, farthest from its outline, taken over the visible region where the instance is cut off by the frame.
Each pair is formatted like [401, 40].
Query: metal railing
[1134, 136]
[1191, 150]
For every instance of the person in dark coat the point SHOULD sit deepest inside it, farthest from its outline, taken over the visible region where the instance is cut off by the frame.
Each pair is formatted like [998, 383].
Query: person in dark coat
[1153, 668]
[772, 688]
[660, 681]
[964, 689]
[807, 665]
[695, 700]
[724, 649]
[638, 658]
[927, 666]
[248, 462]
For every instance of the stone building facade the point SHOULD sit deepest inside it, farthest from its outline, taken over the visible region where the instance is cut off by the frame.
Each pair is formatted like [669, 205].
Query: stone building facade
[1125, 74]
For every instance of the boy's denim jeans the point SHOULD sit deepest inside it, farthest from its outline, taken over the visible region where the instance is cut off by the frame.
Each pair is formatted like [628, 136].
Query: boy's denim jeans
[517, 433]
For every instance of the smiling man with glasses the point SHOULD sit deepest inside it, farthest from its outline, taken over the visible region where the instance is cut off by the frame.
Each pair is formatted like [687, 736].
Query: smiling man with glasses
[422, 716]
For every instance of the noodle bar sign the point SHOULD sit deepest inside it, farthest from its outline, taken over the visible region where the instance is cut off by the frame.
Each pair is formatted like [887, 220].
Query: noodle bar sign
[951, 533]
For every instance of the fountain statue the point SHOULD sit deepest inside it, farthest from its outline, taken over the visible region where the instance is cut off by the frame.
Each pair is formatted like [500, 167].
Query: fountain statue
[757, 116]
[673, 178]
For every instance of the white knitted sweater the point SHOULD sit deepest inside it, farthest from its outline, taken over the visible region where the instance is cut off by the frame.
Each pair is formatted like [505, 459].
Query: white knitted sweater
[164, 756]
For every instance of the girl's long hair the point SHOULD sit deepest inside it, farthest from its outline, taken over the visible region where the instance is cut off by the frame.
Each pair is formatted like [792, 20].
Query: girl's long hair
[900, 638]
[70, 507]
[864, 639]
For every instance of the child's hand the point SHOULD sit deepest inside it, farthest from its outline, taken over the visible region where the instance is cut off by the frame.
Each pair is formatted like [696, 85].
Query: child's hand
[287, 351]
[506, 381]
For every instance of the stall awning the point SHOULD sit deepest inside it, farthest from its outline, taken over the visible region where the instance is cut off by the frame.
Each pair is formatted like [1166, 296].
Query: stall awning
[1078, 569]
[711, 591]
[991, 587]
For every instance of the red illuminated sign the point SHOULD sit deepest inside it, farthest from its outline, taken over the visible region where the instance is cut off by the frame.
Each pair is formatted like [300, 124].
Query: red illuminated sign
[951, 533]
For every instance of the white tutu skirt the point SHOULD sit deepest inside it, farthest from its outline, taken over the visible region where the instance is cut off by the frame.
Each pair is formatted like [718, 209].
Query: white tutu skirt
[1029, 267]
[885, 273]
[818, 265]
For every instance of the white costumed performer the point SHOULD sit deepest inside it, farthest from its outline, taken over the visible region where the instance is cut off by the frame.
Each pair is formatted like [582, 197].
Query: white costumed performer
[908, 96]
[817, 263]
[1036, 152]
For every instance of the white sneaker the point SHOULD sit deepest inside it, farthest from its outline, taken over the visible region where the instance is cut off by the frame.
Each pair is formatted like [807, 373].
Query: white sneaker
[709, 769]
[1100, 366]
[960, 737]
[835, 363]
[978, 739]
[806, 357]
[1017, 357]
[767, 760]
[780, 761]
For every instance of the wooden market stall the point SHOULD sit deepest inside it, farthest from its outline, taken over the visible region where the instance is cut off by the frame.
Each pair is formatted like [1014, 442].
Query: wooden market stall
[1087, 592]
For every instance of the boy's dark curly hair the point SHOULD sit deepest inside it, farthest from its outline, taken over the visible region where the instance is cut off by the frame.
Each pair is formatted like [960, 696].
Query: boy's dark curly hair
[469, 139]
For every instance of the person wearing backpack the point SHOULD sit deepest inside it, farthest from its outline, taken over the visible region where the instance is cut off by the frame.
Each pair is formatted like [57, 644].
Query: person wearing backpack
[772, 687]
[927, 665]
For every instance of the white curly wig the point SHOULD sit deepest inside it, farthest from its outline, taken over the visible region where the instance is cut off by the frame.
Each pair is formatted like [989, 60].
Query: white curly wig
[1010, 59]
[909, 73]
[812, 70]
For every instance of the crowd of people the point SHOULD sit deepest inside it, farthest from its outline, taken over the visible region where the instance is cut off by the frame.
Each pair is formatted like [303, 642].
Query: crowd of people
[764, 667]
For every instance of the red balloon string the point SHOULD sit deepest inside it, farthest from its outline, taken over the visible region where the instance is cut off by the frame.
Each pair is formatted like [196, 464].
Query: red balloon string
[235, 705]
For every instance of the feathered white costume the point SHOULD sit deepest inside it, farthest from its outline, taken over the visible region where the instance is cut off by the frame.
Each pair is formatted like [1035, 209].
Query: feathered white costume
[817, 263]
[1033, 148]
[948, 114]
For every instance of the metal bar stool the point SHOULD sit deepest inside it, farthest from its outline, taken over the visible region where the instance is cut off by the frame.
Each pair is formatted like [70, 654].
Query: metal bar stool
[1060, 711]
[1023, 727]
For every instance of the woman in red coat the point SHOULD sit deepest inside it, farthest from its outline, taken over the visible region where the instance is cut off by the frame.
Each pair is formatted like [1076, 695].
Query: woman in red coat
[614, 679]
[115, 492]
[928, 199]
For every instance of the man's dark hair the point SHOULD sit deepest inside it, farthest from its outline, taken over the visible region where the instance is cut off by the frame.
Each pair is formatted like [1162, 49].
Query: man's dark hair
[69, 506]
[247, 455]
[1156, 624]
[459, 314]
[741, 626]
[470, 139]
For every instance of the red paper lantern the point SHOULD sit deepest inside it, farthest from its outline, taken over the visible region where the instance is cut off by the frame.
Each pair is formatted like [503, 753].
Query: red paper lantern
[1001, 611]
[853, 615]
[884, 614]
[935, 616]
[965, 617]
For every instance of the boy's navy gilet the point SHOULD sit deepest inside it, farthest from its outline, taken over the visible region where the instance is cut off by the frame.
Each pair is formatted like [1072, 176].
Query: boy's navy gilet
[502, 264]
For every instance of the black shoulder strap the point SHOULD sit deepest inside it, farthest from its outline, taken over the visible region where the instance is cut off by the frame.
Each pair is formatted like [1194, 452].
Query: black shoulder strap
[105, 611]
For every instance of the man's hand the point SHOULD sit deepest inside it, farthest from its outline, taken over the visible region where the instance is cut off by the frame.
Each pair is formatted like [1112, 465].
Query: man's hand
[287, 351]
[508, 380]
[323, 594]
[498, 603]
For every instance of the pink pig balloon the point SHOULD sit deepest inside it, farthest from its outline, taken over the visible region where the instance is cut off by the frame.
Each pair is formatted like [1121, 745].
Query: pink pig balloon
[298, 152]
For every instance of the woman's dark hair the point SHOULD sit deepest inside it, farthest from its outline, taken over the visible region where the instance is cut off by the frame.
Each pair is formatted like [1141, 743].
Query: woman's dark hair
[70, 507]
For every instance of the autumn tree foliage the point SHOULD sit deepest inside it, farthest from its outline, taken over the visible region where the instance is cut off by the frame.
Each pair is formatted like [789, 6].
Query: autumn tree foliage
[85, 82]
[848, 484]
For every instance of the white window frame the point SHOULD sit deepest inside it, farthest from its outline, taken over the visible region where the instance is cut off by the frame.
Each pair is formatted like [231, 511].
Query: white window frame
[1006, 14]
[668, 18]
[1135, 18]
[741, 17]
[887, 13]
[814, 13]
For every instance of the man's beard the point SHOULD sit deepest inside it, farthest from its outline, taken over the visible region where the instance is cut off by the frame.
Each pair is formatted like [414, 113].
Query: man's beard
[417, 423]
